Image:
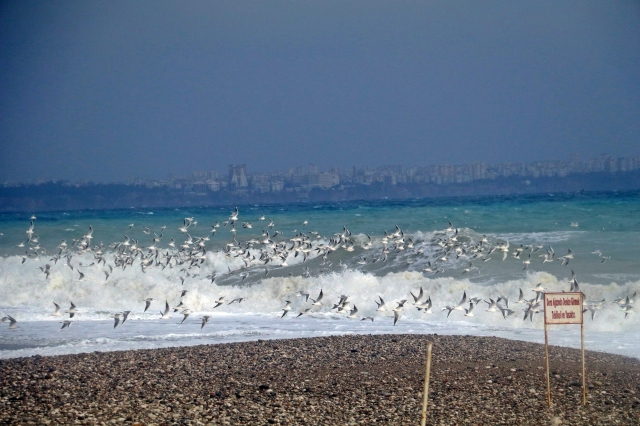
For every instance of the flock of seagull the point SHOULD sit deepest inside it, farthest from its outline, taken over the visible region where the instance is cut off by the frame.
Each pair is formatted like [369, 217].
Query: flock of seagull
[272, 249]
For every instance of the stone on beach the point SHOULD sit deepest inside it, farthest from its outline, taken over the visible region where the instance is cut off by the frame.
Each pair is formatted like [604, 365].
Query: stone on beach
[357, 379]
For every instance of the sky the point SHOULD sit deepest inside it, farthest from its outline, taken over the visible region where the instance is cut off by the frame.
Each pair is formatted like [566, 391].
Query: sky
[113, 90]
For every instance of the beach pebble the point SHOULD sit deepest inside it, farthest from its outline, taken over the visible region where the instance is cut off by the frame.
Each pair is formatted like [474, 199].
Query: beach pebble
[313, 381]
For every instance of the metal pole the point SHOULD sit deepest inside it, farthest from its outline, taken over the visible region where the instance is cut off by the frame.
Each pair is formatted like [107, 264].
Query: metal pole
[546, 346]
[584, 375]
[426, 386]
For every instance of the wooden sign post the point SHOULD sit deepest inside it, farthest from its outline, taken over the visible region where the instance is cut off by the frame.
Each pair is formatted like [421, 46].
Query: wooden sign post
[564, 308]
[425, 395]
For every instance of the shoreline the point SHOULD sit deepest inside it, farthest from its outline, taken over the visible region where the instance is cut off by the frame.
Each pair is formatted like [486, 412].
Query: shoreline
[353, 379]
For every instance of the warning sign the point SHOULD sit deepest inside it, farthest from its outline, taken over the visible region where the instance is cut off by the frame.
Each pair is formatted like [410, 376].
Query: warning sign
[563, 308]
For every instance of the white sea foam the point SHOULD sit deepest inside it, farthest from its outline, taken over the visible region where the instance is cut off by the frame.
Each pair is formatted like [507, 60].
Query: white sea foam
[27, 295]
[25, 292]
[537, 237]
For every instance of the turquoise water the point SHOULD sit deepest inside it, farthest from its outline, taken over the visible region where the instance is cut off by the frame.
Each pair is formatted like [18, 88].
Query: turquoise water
[595, 226]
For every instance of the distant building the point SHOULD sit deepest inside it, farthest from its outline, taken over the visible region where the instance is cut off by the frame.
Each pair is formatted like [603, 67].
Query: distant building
[478, 171]
[611, 165]
[238, 176]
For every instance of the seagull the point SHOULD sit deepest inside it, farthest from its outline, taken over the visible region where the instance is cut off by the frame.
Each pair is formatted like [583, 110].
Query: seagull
[426, 306]
[469, 312]
[575, 287]
[205, 319]
[65, 324]
[492, 305]
[11, 320]
[592, 309]
[306, 311]
[286, 308]
[167, 309]
[316, 302]
[532, 310]
[504, 299]
[342, 308]
[353, 312]
[367, 318]
[90, 233]
[506, 312]
[450, 309]
[57, 312]
[396, 315]
[148, 303]
[234, 215]
[400, 306]
[475, 300]
[180, 305]
[549, 257]
[566, 258]
[116, 319]
[381, 305]
[219, 302]
[417, 298]
[72, 310]
[468, 268]
[303, 293]
[627, 309]
[125, 315]
[186, 314]
[627, 301]
[462, 302]
[238, 300]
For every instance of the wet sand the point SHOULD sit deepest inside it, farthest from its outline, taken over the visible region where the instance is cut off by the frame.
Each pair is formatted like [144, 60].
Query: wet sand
[326, 381]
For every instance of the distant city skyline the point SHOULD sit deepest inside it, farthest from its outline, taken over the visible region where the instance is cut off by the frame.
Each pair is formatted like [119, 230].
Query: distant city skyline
[239, 176]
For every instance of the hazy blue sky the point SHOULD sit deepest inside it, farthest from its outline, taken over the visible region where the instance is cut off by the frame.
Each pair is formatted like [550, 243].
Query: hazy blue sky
[109, 90]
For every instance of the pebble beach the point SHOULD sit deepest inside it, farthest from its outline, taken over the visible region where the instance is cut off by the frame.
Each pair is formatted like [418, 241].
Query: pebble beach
[338, 380]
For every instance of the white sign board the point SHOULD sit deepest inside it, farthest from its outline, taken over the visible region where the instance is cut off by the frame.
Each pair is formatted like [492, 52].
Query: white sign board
[563, 308]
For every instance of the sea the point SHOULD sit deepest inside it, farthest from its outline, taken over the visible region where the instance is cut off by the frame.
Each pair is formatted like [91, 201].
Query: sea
[386, 249]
